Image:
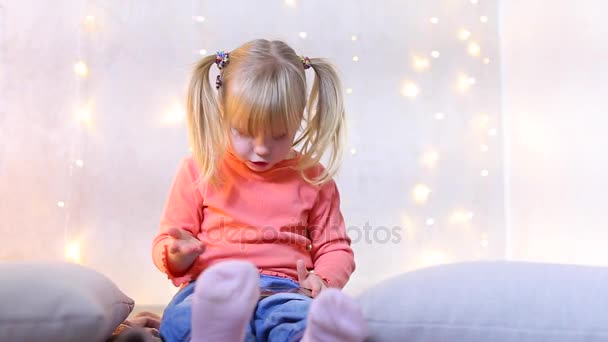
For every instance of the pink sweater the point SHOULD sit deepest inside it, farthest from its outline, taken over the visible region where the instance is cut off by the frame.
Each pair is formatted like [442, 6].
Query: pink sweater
[271, 219]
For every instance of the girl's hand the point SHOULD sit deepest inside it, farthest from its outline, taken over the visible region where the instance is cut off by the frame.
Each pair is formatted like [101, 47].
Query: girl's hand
[309, 280]
[183, 250]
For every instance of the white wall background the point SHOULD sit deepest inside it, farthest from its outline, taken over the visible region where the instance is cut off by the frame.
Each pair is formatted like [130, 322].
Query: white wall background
[112, 171]
[555, 103]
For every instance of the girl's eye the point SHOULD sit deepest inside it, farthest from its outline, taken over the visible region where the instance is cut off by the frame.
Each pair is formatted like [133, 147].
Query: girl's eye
[238, 132]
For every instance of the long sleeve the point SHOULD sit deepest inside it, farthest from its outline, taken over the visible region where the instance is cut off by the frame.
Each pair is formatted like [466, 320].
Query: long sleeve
[331, 253]
[183, 209]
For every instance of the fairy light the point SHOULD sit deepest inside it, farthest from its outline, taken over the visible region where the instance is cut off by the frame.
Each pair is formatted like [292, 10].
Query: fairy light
[355, 58]
[435, 54]
[434, 20]
[84, 116]
[430, 221]
[474, 2]
[484, 148]
[439, 116]
[410, 89]
[303, 35]
[61, 204]
[464, 34]
[483, 19]
[72, 252]
[433, 257]
[421, 193]
[474, 49]
[420, 63]
[353, 151]
[492, 132]
[484, 173]
[175, 116]
[89, 23]
[484, 243]
[291, 3]
[81, 69]
[349, 90]
[80, 163]
[199, 18]
[430, 158]
[464, 83]
[202, 52]
[486, 60]
[354, 37]
[484, 119]
[460, 216]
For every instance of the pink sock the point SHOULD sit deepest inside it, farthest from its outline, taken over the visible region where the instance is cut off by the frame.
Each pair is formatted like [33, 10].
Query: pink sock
[224, 299]
[335, 317]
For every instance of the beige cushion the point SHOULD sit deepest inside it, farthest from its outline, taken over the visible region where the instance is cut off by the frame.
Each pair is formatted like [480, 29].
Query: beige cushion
[58, 302]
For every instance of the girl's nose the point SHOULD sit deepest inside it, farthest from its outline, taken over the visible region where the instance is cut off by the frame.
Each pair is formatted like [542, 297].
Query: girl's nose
[260, 147]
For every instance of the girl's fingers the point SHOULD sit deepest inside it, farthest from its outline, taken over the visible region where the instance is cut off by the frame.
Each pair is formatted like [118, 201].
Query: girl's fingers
[175, 233]
[316, 288]
[302, 272]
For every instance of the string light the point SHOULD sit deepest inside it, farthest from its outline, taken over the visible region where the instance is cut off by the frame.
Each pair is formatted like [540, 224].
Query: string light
[435, 54]
[434, 20]
[353, 151]
[291, 3]
[81, 69]
[420, 63]
[486, 60]
[303, 35]
[439, 116]
[199, 18]
[460, 216]
[354, 38]
[175, 116]
[492, 132]
[430, 158]
[474, 2]
[61, 204]
[349, 90]
[464, 34]
[484, 173]
[355, 58]
[421, 193]
[464, 83]
[89, 23]
[474, 49]
[84, 116]
[80, 163]
[432, 258]
[483, 19]
[430, 221]
[410, 89]
[202, 52]
[72, 252]
[484, 148]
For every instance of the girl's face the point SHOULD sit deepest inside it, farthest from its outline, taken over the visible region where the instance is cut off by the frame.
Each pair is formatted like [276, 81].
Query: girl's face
[262, 151]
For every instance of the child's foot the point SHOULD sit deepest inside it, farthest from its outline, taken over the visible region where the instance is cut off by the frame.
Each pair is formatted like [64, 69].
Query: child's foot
[335, 317]
[224, 299]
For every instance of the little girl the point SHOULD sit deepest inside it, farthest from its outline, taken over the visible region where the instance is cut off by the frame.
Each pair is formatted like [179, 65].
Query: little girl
[249, 211]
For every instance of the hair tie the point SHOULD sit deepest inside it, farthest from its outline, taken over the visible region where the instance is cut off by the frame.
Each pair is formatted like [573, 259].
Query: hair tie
[221, 60]
[305, 61]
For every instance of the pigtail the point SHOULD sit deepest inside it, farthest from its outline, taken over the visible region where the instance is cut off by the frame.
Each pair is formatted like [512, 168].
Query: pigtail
[326, 122]
[206, 134]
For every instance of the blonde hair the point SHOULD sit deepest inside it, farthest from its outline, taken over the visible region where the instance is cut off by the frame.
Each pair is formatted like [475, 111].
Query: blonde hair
[263, 89]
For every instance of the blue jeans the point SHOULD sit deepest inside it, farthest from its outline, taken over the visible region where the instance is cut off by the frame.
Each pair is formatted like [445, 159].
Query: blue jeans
[280, 317]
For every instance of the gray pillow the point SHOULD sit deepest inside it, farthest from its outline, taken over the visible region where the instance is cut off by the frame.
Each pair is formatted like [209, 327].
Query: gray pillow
[491, 301]
[58, 302]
